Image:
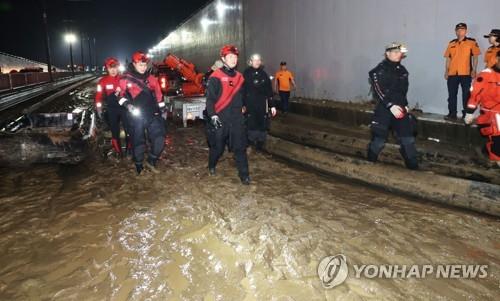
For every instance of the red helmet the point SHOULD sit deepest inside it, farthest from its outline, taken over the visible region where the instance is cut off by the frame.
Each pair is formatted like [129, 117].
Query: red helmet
[140, 56]
[227, 49]
[111, 62]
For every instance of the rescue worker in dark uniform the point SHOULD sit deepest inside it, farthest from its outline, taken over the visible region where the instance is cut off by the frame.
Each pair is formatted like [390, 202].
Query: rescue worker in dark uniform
[258, 101]
[142, 97]
[106, 98]
[224, 112]
[485, 94]
[390, 86]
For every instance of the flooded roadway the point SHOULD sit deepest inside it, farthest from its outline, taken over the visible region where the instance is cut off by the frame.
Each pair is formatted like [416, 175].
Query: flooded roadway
[98, 232]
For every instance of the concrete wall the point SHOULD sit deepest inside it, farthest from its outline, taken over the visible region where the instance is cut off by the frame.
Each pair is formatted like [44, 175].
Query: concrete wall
[331, 45]
[199, 43]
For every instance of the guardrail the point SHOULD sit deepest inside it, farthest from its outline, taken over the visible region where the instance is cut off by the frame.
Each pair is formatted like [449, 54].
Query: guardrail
[11, 99]
[13, 81]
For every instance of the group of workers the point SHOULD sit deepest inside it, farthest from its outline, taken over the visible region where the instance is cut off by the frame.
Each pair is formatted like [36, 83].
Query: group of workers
[390, 86]
[239, 105]
[135, 100]
[238, 109]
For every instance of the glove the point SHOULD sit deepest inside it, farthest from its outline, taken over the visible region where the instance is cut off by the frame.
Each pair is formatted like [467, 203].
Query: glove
[469, 118]
[397, 111]
[99, 113]
[215, 122]
[273, 111]
[123, 102]
[162, 106]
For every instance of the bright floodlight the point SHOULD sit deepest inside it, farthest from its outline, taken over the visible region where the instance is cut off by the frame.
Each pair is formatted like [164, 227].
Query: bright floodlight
[221, 8]
[205, 23]
[70, 38]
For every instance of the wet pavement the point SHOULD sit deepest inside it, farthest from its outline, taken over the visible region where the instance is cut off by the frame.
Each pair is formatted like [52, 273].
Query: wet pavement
[98, 232]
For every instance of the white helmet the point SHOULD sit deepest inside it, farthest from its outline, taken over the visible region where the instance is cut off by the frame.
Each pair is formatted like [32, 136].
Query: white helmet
[397, 46]
[254, 56]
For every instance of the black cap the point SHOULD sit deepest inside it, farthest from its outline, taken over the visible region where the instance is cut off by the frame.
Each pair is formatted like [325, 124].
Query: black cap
[283, 63]
[461, 26]
[494, 32]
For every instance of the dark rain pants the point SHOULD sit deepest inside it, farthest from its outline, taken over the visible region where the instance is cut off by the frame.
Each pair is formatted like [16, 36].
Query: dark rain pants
[154, 128]
[383, 121]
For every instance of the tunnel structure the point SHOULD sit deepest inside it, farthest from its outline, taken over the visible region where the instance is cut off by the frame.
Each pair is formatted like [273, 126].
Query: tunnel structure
[330, 45]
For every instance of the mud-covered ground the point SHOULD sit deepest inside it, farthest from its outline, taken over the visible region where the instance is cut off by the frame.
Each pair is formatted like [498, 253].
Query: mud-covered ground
[98, 232]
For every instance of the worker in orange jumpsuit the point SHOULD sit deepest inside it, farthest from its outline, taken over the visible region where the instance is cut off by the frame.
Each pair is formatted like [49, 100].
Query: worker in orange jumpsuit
[486, 95]
[108, 90]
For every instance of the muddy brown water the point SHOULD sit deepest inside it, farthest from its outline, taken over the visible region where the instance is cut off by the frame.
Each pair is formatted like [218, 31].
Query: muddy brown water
[98, 232]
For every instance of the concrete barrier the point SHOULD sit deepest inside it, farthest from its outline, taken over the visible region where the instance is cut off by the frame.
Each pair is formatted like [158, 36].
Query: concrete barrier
[355, 114]
[468, 194]
[352, 141]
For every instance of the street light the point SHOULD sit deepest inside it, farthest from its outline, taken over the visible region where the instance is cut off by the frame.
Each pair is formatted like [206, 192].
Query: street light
[70, 38]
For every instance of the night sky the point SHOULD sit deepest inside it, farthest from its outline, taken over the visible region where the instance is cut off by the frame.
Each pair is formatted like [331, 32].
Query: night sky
[120, 27]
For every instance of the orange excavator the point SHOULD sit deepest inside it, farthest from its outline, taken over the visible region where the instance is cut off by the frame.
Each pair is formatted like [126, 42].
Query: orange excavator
[190, 82]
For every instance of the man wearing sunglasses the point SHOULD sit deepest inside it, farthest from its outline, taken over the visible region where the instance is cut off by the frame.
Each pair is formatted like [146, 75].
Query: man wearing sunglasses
[142, 97]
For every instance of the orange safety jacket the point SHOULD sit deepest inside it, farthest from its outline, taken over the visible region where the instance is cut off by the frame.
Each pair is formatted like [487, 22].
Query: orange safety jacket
[485, 93]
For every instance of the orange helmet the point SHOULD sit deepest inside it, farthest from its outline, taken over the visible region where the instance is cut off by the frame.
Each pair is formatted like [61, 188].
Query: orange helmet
[227, 49]
[111, 62]
[140, 56]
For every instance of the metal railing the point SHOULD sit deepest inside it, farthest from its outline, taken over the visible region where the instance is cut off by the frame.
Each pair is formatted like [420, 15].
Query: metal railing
[17, 80]
[14, 97]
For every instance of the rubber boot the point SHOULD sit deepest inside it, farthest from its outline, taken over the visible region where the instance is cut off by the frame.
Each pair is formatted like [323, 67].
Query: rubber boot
[411, 163]
[139, 168]
[151, 165]
[211, 171]
[115, 143]
[245, 180]
[259, 146]
[372, 157]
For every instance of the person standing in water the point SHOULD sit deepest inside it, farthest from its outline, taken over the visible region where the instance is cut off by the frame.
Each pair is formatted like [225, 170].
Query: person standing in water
[224, 112]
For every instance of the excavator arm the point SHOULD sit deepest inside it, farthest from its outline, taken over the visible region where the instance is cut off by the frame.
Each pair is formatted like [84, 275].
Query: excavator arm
[193, 80]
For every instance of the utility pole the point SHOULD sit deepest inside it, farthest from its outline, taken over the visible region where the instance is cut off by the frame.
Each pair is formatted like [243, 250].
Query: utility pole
[90, 53]
[47, 40]
[95, 54]
[81, 49]
[71, 59]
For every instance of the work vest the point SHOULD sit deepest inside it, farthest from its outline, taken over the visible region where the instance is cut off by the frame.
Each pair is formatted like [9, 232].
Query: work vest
[106, 89]
[485, 92]
[230, 86]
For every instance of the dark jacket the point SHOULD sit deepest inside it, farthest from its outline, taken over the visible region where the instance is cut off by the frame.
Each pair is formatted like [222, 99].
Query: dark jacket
[142, 90]
[257, 97]
[390, 83]
[214, 91]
